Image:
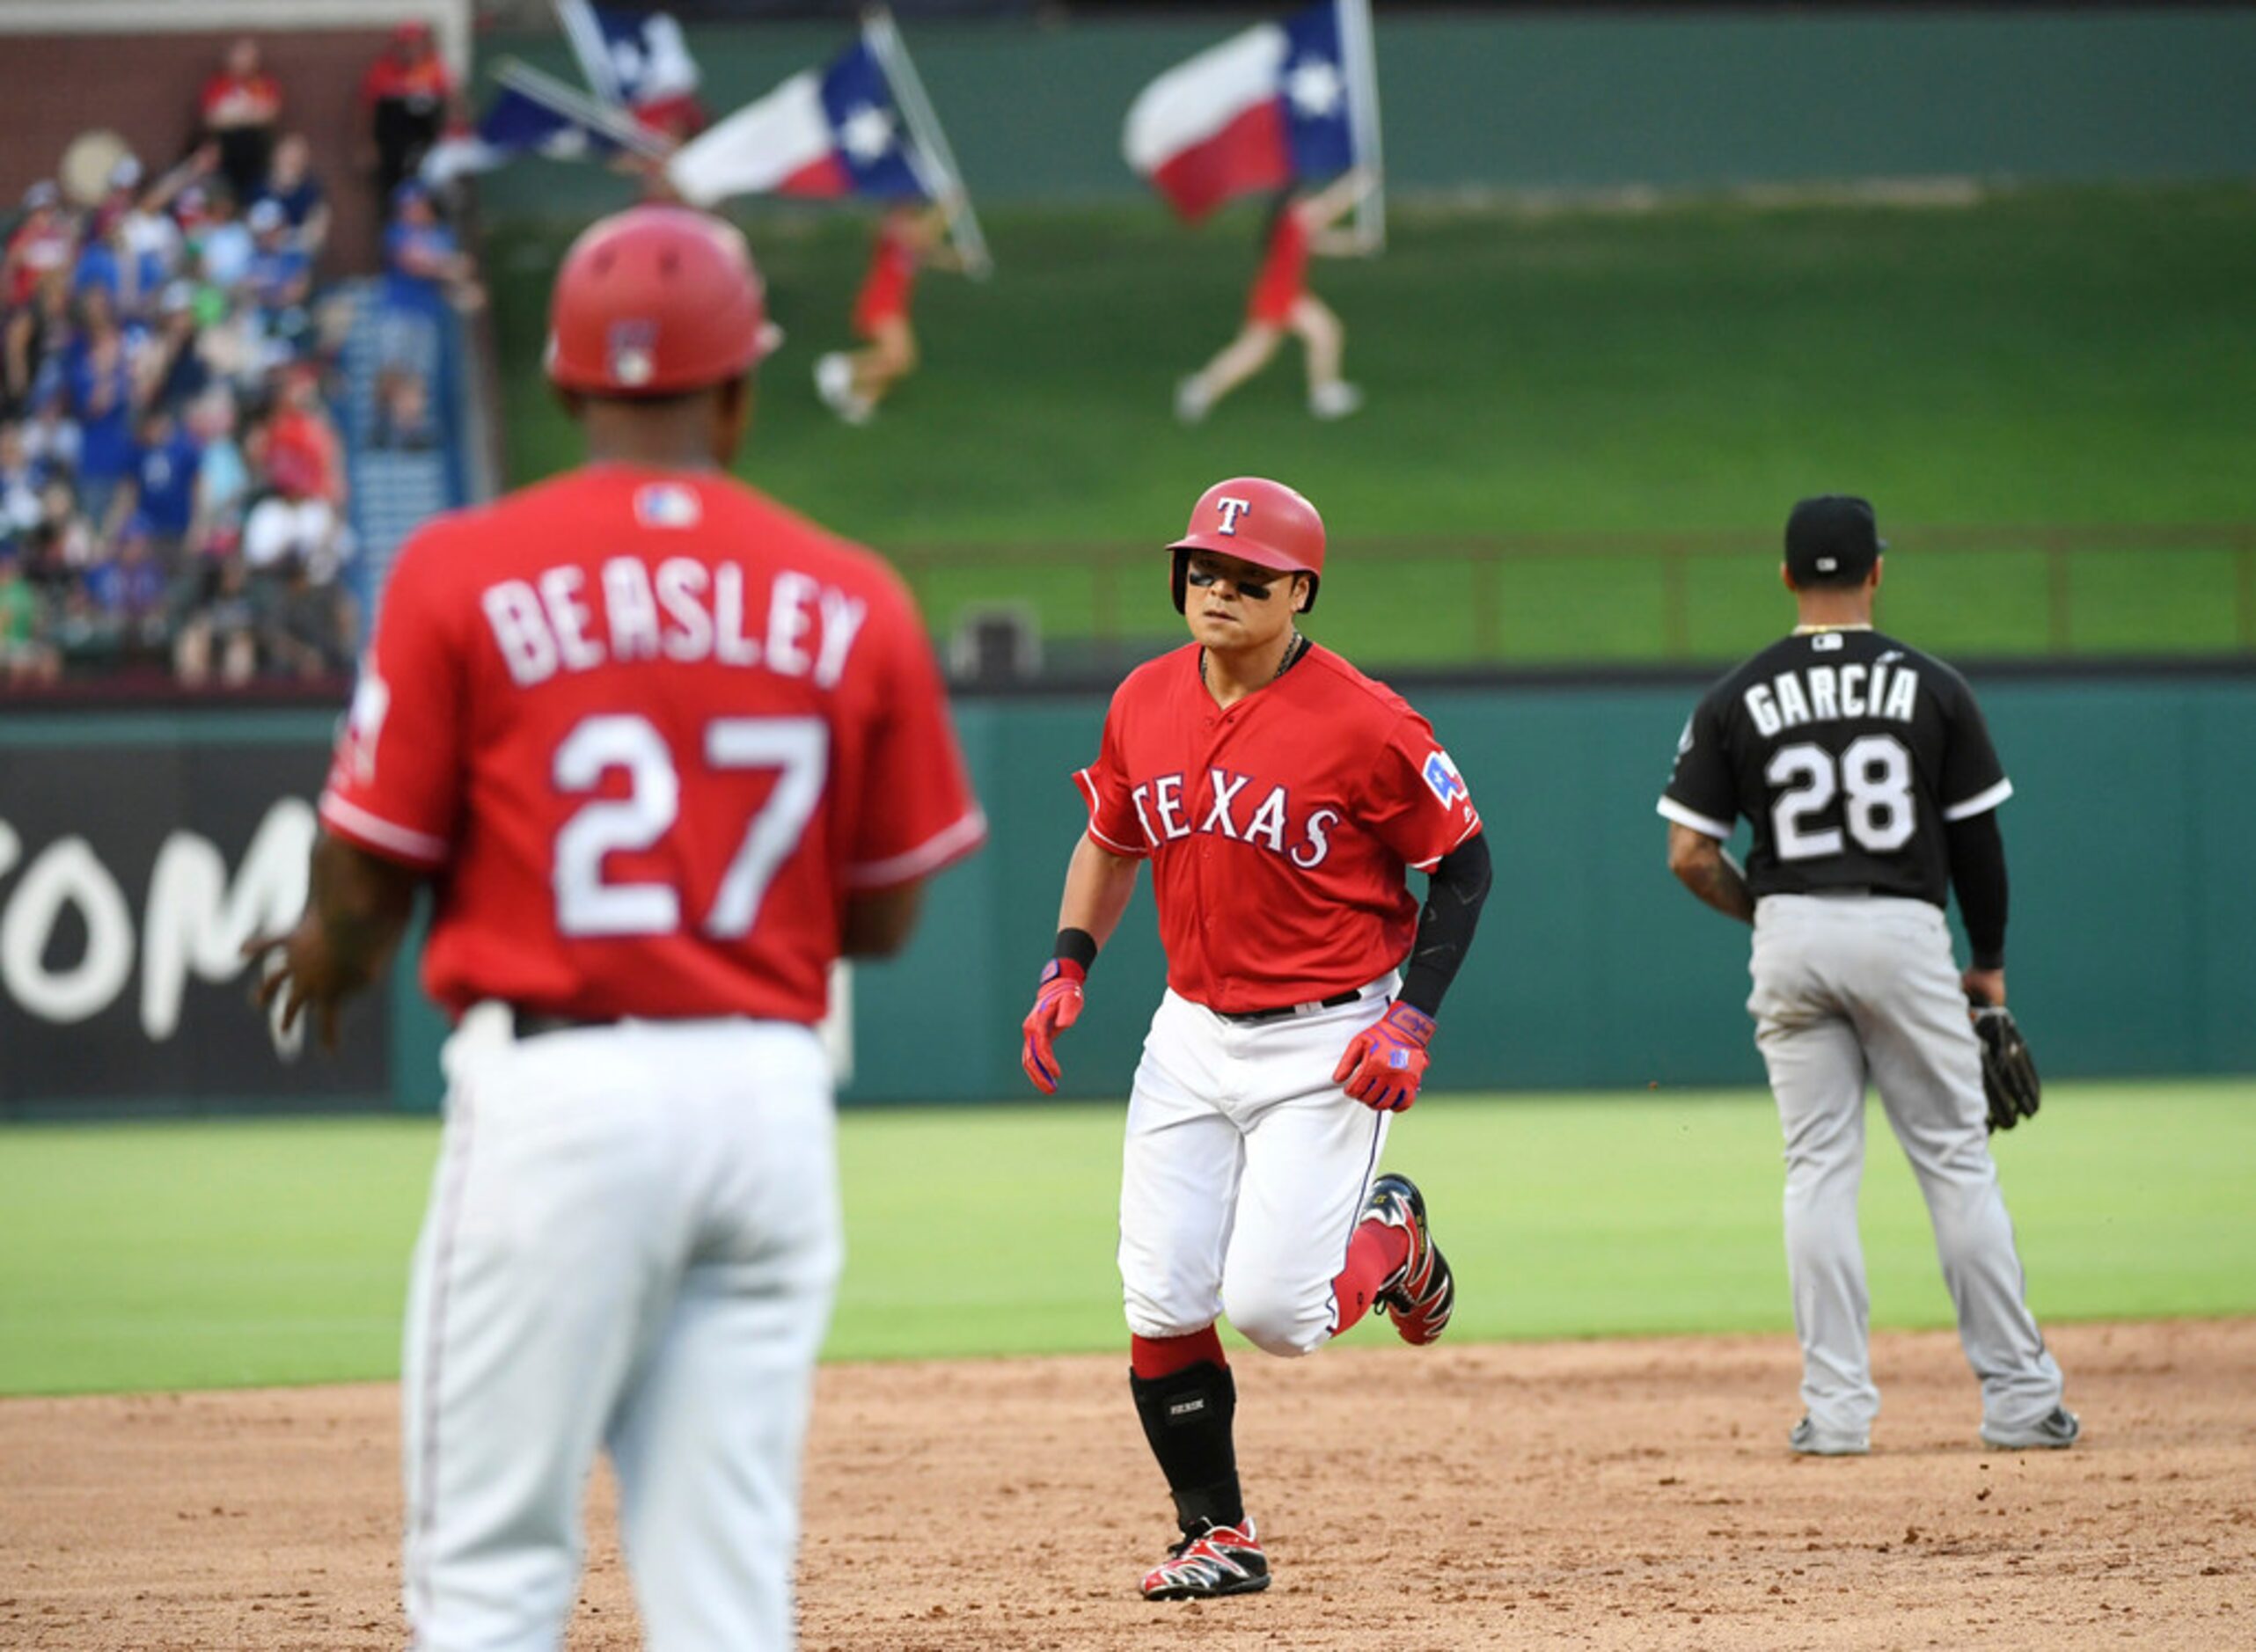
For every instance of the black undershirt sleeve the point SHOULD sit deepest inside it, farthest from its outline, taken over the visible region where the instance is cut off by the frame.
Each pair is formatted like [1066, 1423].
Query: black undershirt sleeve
[1459, 885]
[1978, 874]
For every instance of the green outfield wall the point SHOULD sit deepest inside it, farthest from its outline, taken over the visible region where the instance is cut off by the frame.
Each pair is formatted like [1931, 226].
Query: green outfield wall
[134, 848]
[1552, 100]
[2132, 943]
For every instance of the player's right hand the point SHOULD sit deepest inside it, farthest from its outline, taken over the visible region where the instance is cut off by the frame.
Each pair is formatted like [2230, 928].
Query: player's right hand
[1057, 1006]
[299, 970]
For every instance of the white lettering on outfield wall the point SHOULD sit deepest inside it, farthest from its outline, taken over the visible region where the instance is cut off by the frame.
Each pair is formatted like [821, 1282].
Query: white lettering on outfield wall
[66, 873]
[193, 922]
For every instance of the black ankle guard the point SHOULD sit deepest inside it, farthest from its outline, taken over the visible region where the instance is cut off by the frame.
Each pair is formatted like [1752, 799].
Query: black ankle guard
[1187, 1419]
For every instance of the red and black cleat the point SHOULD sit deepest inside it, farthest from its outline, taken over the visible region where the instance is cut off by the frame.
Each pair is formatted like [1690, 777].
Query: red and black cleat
[1422, 1296]
[1218, 1560]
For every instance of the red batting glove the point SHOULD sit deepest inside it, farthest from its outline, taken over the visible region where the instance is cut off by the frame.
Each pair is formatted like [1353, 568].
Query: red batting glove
[1385, 1063]
[1057, 1006]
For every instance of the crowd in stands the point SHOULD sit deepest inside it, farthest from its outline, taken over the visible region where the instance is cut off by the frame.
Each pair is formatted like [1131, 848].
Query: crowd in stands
[174, 484]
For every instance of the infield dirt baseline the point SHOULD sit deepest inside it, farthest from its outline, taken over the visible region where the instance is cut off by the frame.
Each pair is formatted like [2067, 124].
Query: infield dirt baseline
[1628, 1492]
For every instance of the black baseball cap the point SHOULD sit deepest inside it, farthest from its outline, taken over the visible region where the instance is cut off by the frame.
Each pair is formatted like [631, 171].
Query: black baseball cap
[1832, 540]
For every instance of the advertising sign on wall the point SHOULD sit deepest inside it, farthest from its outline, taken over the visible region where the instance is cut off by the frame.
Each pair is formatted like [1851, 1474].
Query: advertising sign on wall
[131, 871]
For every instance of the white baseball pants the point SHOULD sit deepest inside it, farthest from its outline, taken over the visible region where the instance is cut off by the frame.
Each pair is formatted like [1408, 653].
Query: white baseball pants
[632, 1244]
[1244, 1173]
[1848, 988]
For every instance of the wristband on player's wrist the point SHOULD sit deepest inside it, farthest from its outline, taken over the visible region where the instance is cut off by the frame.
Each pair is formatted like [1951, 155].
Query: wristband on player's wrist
[1407, 1018]
[1075, 946]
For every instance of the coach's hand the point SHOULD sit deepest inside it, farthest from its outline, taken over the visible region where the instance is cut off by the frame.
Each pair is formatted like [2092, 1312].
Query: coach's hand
[1057, 1006]
[299, 972]
[1385, 1064]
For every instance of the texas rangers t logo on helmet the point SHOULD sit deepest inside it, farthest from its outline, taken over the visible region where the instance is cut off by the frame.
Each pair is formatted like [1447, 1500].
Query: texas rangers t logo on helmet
[1231, 509]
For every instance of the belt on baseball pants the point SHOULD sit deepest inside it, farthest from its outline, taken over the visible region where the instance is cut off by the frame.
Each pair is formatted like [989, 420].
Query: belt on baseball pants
[1251, 1017]
[524, 1023]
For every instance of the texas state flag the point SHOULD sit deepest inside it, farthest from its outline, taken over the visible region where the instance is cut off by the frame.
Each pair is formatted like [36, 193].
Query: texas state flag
[513, 125]
[833, 132]
[641, 57]
[1262, 111]
[637, 59]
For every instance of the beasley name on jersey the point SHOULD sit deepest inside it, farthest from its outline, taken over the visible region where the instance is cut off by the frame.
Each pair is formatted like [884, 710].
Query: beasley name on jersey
[657, 730]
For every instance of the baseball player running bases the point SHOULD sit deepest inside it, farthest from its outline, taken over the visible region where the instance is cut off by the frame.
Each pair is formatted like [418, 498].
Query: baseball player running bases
[1868, 775]
[1281, 796]
[664, 752]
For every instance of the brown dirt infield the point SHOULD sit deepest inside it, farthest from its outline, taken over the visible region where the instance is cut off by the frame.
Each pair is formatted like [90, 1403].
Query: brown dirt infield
[1595, 1494]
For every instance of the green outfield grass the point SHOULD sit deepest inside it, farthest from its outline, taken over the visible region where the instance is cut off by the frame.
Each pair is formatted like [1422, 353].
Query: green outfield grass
[215, 1253]
[2054, 357]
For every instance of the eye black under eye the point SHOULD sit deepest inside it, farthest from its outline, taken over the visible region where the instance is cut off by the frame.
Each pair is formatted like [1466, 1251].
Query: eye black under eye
[1252, 591]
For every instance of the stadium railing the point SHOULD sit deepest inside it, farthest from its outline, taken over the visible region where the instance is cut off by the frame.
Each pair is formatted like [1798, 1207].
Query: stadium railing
[2058, 590]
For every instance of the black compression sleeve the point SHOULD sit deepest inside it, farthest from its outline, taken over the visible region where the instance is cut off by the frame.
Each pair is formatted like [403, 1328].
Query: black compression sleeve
[1445, 928]
[1978, 874]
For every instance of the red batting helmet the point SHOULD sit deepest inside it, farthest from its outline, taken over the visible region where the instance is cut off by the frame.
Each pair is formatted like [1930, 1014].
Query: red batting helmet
[655, 301]
[1257, 521]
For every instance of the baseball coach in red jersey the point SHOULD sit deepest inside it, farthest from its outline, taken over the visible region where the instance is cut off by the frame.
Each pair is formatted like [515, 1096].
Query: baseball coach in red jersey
[664, 752]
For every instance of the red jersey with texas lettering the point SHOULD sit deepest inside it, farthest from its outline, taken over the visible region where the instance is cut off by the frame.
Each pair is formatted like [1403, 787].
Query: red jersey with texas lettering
[1278, 828]
[648, 729]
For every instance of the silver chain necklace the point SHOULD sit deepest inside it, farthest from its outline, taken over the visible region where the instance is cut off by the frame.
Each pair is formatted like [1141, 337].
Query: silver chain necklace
[1291, 653]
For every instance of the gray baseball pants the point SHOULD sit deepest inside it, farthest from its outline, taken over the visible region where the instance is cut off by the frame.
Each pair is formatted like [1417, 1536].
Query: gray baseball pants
[1852, 988]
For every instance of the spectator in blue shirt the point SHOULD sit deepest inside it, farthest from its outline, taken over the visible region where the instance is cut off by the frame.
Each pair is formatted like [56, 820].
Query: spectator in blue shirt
[100, 381]
[128, 590]
[427, 264]
[292, 186]
[282, 274]
[108, 261]
[99, 265]
[281, 285]
[162, 489]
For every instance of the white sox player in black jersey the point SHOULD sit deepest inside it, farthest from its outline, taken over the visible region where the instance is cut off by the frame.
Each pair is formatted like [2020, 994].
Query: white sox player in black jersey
[1869, 778]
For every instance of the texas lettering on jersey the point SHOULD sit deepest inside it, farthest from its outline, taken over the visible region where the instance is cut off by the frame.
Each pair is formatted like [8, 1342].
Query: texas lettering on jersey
[1280, 829]
[1303, 839]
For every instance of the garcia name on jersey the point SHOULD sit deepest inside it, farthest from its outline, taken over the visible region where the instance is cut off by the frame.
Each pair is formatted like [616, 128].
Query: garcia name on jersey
[1848, 753]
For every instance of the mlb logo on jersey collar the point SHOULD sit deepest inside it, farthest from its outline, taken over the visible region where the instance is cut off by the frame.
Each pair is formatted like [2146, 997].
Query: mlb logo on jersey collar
[1441, 774]
[667, 505]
